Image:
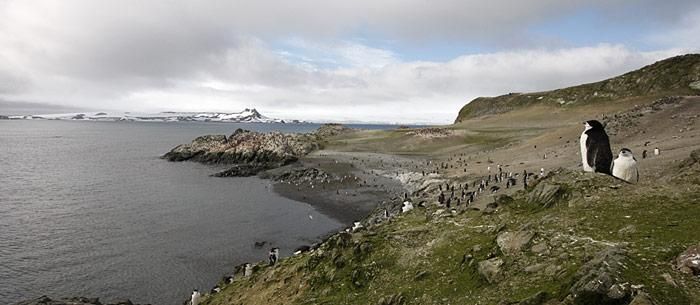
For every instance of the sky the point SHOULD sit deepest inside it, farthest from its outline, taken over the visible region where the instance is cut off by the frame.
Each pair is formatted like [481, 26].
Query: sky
[389, 61]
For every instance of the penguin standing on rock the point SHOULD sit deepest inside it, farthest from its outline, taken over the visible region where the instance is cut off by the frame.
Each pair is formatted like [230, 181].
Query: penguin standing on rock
[595, 148]
[625, 166]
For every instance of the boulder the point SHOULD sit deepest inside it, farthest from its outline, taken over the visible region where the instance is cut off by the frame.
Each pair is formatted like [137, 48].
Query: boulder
[512, 243]
[394, 299]
[536, 299]
[545, 194]
[689, 261]
[596, 281]
[642, 299]
[243, 170]
[490, 269]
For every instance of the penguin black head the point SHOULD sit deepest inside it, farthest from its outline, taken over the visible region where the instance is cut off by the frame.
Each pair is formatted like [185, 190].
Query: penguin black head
[594, 124]
[626, 152]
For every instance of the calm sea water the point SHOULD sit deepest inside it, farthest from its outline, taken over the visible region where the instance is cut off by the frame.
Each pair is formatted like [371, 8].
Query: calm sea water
[88, 209]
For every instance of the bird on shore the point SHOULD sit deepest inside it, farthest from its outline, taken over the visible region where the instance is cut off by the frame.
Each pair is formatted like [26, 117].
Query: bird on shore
[596, 155]
[407, 206]
[625, 166]
[196, 296]
[248, 270]
[273, 256]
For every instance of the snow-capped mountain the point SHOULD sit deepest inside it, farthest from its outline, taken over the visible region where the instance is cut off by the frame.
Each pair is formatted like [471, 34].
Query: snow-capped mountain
[245, 116]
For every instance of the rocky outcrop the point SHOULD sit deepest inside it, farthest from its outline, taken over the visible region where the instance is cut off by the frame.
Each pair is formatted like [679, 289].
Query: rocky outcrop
[243, 170]
[246, 147]
[491, 269]
[513, 242]
[597, 280]
[44, 300]
[546, 194]
[689, 261]
[332, 130]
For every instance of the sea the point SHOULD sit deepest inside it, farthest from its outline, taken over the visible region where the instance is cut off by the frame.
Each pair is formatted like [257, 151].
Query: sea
[89, 209]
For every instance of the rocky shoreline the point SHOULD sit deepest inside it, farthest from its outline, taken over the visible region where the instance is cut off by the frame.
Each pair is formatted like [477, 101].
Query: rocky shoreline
[252, 152]
[45, 300]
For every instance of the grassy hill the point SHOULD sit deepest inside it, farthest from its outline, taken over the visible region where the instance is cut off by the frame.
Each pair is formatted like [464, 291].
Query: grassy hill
[567, 238]
[678, 75]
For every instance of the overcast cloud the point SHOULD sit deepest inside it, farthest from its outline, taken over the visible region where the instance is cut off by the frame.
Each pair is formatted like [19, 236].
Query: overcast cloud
[323, 60]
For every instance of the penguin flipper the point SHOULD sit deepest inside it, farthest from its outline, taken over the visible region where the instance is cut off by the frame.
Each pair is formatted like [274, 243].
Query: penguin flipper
[612, 166]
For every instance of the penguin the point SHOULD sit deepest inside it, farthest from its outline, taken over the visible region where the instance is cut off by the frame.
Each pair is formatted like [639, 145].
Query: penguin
[248, 270]
[407, 206]
[196, 296]
[357, 226]
[657, 151]
[625, 166]
[273, 256]
[595, 148]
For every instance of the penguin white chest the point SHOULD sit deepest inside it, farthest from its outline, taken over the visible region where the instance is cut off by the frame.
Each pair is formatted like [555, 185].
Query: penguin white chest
[625, 169]
[584, 153]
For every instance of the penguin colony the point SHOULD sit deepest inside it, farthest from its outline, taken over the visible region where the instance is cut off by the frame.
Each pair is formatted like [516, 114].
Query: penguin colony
[596, 156]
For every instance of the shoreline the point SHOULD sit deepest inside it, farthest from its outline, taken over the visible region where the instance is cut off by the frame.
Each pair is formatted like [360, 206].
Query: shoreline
[343, 186]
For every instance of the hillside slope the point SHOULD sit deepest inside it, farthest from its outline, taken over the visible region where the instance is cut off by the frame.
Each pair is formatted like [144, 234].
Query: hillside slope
[678, 75]
[568, 238]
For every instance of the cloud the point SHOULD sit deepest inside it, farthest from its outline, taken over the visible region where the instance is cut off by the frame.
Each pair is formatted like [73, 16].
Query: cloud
[303, 59]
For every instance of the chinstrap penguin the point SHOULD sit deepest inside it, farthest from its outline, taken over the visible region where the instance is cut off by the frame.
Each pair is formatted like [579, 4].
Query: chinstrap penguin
[596, 155]
[196, 296]
[625, 166]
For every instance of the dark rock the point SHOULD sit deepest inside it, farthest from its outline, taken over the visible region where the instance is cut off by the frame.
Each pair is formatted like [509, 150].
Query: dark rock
[421, 275]
[394, 299]
[45, 300]
[536, 299]
[362, 249]
[596, 281]
[545, 194]
[244, 170]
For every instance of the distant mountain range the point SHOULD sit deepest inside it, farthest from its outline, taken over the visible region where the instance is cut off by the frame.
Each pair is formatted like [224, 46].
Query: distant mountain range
[245, 116]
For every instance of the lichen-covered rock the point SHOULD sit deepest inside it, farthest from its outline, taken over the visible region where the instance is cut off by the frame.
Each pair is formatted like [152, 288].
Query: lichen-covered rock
[545, 194]
[597, 280]
[491, 269]
[394, 299]
[245, 146]
[331, 130]
[689, 261]
[513, 242]
[642, 299]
